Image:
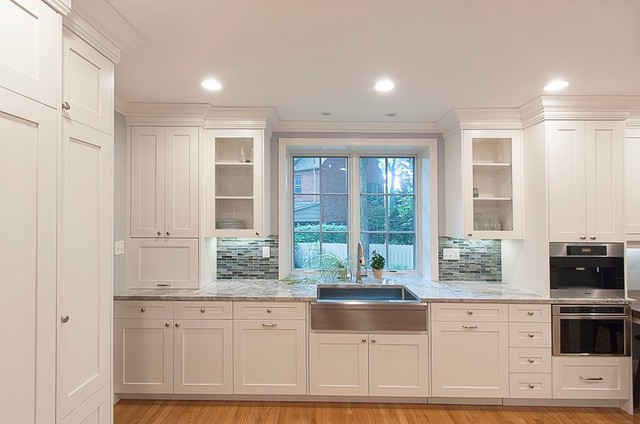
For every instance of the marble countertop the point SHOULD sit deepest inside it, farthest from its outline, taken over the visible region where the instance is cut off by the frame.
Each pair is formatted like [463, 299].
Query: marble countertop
[305, 290]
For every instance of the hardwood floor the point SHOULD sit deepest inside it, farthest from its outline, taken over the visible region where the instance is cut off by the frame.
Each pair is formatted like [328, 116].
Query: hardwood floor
[210, 412]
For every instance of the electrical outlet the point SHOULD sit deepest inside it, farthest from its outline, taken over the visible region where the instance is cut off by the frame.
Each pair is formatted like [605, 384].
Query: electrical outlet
[118, 247]
[266, 252]
[451, 254]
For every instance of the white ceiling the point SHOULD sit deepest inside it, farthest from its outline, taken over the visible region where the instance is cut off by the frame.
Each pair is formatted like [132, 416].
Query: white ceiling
[305, 58]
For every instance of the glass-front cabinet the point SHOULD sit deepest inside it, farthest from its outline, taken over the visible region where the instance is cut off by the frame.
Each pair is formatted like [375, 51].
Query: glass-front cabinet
[237, 175]
[492, 183]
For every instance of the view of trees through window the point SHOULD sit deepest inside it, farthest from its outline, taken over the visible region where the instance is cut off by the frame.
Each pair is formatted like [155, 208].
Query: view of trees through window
[321, 205]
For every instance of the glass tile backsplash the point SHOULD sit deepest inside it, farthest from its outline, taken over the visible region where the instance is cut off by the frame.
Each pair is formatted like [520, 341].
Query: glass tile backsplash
[480, 260]
[241, 258]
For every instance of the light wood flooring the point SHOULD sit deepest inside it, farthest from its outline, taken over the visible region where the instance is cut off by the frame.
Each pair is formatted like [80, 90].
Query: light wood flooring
[223, 412]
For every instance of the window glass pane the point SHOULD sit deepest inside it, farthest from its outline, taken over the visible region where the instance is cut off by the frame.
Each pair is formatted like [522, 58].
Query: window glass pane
[401, 213]
[334, 210]
[374, 241]
[306, 250]
[306, 209]
[336, 244]
[401, 251]
[372, 213]
[372, 175]
[307, 171]
[333, 177]
[400, 175]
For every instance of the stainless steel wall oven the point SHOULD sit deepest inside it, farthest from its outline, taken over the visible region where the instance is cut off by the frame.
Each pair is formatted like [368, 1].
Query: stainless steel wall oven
[591, 330]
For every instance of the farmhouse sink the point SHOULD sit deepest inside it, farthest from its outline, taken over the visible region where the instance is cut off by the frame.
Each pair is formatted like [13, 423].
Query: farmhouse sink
[365, 294]
[368, 308]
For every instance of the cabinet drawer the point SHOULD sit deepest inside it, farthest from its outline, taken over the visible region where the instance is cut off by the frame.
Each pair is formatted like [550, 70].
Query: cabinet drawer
[142, 309]
[529, 313]
[535, 334]
[591, 378]
[476, 312]
[193, 309]
[530, 385]
[530, 359]
[269, 310]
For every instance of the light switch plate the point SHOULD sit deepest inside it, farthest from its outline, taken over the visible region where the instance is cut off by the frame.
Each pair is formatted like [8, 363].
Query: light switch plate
[266, 252]
[451, 254]
[118, 247]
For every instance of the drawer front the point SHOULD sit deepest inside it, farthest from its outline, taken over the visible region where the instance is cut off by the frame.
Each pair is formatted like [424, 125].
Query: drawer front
[530, 385]
[192, 309]
[530, 360]
[533, 334]
[470, 312]
[529, 313]
[269, 310]
[142, 309]
[591, 378]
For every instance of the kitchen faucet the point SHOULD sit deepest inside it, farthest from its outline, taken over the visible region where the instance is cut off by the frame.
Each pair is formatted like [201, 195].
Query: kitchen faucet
[360, 261]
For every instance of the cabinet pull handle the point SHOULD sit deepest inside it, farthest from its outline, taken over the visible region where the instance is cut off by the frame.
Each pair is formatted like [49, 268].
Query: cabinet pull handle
[530, 335]
[202, 310]
[64, 319]
[270, 325]
[66, 106]
[177, 324]
[268, 310]
[159, 233]
[530, 313]
[143, 309]
[531, 386]
[469, 327]
[583, 238]
[591, 378]
[469, 312]
[364, 340]
[163, 285]
[166, 324]
[531, 360]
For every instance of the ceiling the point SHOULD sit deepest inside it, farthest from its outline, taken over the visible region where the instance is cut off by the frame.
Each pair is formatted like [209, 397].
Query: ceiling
[304, 58]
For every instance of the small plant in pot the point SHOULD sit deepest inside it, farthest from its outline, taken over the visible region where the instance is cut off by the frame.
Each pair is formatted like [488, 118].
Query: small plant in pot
[377, 264]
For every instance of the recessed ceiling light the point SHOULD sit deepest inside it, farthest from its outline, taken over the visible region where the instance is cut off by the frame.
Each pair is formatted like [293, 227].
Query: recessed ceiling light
[384, 85]
[211, 84]
[556, 85]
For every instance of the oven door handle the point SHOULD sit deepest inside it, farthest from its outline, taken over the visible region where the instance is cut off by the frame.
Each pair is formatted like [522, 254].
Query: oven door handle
[591, 378]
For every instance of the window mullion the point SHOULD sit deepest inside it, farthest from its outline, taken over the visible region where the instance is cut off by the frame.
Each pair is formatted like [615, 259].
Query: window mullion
[354, 201]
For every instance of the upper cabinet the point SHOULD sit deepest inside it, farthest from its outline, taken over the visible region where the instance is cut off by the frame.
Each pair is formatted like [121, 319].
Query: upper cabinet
[238, 175]
[585, 168]
[631, 184]
[29, 62]
[484, 184]
[87, 95]
[164, 182]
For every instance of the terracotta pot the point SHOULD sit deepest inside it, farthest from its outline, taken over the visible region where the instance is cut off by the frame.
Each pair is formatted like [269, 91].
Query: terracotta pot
[377, 274]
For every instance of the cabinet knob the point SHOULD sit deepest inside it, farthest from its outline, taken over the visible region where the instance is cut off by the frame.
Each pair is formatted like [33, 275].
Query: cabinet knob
[530, 335]
[469, 234]
[177, 324]
[373, 340]
[531, 361]
[168, 233]
[469, 312]
[202, 310]
[583, 238]
[531, 386]
[530, 313]
[257, 233]
[364, 340]
[64, 319]
[592, 238]
[166, 324]
[159, 233]
[66, 106]
[268, 310]
[143, 309]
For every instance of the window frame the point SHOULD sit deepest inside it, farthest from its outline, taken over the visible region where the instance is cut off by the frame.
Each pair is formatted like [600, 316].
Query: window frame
[425, 151]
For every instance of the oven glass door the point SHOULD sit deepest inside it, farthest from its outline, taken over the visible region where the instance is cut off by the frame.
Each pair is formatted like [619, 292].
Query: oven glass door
[587, 273]
[591, 335]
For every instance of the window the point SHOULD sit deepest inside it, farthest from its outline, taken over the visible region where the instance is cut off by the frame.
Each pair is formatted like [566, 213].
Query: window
[380, 192]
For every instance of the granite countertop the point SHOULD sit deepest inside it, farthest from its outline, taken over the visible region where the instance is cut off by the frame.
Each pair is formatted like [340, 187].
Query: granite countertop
[305, 290]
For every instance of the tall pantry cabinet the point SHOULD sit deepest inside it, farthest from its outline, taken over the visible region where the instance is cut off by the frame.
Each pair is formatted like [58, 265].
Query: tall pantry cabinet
[56, 160]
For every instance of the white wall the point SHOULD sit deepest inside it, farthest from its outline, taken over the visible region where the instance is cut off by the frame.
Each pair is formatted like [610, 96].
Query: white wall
[120, 199]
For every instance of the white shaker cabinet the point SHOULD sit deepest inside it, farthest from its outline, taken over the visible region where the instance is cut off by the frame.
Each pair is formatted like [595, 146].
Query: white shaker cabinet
[632, 184]
[164, 182]
[585, 166]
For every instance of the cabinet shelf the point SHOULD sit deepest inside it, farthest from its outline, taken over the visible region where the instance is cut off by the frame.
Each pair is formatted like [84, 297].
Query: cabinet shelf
[491, 165]
[234, 197]
[233, 164]
[492, 199]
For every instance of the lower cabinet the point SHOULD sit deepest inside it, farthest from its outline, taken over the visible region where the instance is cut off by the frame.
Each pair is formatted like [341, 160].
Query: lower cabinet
[97, 409]
[171, 351]
[269, 348]
[591, 377]
[368, 364]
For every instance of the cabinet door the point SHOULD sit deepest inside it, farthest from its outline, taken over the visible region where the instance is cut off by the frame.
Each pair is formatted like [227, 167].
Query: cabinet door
[605, 161]
[147, 182]
[29, 56]
[85, 263]
[470, 360]
[143, 358]
[567, 181]
[87, 84]
[270, 357]
[631, 184]
[181, 182]
[163, 262]
[95, 410]
[203, 357]
[338, 364]
[28, 148]
[398, 365]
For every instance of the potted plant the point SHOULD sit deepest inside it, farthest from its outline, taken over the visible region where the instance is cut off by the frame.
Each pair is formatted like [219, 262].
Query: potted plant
[377, 264]
[334, 267]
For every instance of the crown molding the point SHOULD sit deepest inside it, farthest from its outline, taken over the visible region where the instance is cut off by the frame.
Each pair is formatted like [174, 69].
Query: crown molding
[91, 35]
[63, 7]
[632, 124]
[356, 127]
[479, 119]
[609, 108]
